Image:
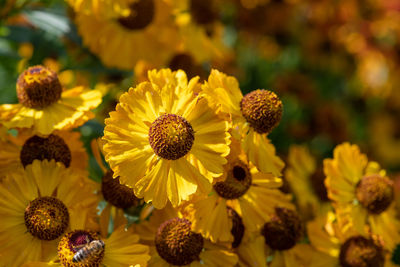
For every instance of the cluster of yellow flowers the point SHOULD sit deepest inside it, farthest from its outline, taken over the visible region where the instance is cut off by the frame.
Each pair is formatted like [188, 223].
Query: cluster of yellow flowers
[192, 162]
[151, 33]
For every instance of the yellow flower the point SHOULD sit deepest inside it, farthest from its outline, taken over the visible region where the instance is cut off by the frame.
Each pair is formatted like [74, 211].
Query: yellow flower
[44, 106]
[243, 197]
[253, 116]
[141, 30]
[121, 248]
[336, 246]
[201, 30]
[37, 206]
[62, 146]
[306, 181]
[164, 141]
[278, 242]
[172, 242]
[362, 194]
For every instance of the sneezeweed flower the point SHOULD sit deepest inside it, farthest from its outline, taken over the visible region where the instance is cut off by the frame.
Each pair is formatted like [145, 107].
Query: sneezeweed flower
[306, 181]
[38, 205]
[62, 146]
[121, 248]
[336, 246]
[201, 31]
[164, 141]
[138, 30]
[253, 117]
[243, 195]
[173, 243]
[279, 241]
[362, 194]
[44, 106]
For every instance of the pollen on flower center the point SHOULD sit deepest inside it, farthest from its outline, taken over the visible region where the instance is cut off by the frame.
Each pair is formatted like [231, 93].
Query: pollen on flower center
[46, 218]
[116, 193]
[284, 229]
[41, 148]
[171, 136]
[262, 109]
[375, 193]
[237, 182]
[38, 87]
[237, 227]
[140, 16]
[360, 251]
[73, 242]
[176, 243]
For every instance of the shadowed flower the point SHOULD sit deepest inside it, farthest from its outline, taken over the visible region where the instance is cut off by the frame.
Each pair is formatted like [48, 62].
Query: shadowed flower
[44, 106]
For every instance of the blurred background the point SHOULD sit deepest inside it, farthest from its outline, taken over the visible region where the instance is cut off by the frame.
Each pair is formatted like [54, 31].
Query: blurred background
[335, 64]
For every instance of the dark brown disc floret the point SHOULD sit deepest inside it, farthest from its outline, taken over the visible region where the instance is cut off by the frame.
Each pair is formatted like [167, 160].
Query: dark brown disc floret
[116, 193]
[46, 218]
[284, 230]
[38, 87]
[141, 15]
[45, 148]
[237, 182]
[171, 136]
[262, 109]
[177, 244]
[359, 251]
[375, 193]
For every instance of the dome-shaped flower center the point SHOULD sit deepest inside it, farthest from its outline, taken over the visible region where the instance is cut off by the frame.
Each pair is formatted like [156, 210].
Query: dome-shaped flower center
[237, 182]
[237, 227]
[140, 16]
[177, 244]
[375, 193]
[41, 148]
[171, 136]
[38, 87]
[203, 11]
[117, 194]
[262, 109]
[359, 251]
[186, 62]
[46, 218]
[81, 248]
[284, 229]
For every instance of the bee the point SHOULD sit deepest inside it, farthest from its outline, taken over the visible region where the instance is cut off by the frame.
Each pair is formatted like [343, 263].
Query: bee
[90, 249]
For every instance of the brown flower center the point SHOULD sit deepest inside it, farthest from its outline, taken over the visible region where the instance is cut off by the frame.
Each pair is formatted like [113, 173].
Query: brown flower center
[375, 193]
[202, 11]
[81, 248]
[140, 16]
[46, 218]
[237, 182]
[171, 136]
[177, 244]
[41, 148]
[38, 87]
[359, 251]
[284, 229]
[262, 109]
[237, 227]
[117, 194]
[186, 62]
